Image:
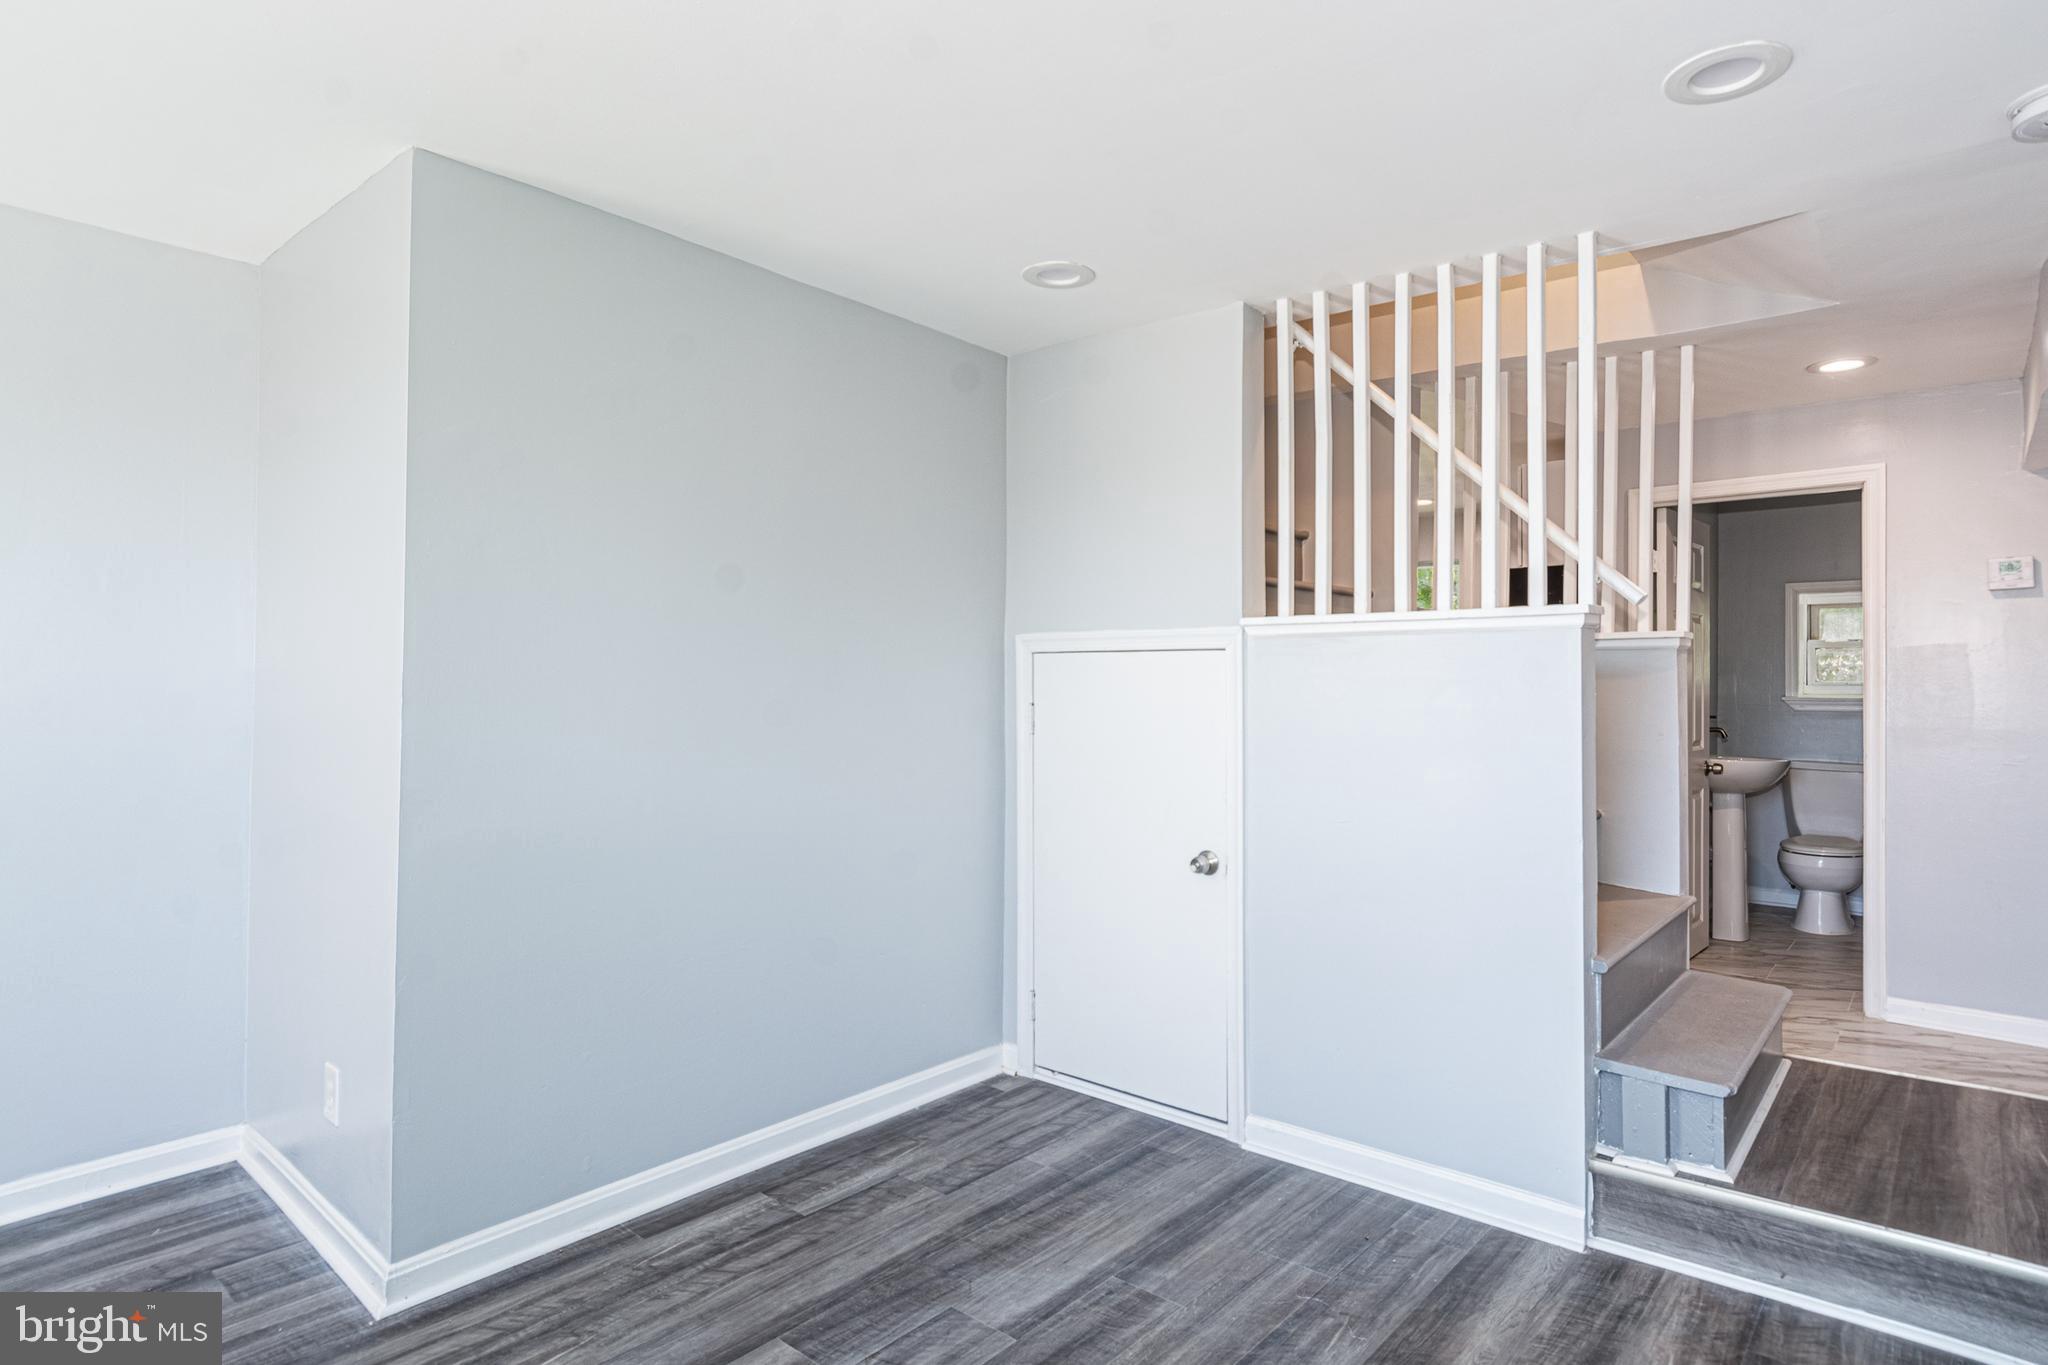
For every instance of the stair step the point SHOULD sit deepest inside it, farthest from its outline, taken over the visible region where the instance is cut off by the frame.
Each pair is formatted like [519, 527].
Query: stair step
[1628, 919]
[1703, 1035]
[1973, 1303]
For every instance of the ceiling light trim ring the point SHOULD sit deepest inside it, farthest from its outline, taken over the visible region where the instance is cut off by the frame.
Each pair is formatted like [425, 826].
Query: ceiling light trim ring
[1058, 275]
[1771, 61]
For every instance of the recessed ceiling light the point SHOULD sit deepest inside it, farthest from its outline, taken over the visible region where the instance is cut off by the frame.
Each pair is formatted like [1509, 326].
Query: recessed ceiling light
[1841, 364]
[1726, 73]
[1058, 274]
[2029, 115]
[1425, 502]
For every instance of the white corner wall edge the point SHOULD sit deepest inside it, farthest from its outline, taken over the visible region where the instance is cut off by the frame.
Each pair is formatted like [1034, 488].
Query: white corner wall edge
[1468, 1196]
[2005, 1028]
[1009, 1059]
[427, 1274]
[1777, 1293]
[35, 1195]
[348, 1253]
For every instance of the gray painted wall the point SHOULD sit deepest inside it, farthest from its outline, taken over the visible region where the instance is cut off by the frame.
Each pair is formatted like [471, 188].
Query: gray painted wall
[128, 458]
[331, 525]
[1761, 547]
[1130, 502]
[703, 625]
[1966, 733]
[1417, 913]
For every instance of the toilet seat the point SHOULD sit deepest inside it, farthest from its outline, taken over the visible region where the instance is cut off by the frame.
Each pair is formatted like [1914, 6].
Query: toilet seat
[1823, 845]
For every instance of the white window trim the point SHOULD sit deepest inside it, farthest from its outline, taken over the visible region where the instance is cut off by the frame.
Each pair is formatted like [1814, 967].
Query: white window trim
[1793, 697]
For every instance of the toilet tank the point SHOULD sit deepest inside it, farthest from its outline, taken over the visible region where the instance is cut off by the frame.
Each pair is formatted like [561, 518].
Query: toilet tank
[1824, 798]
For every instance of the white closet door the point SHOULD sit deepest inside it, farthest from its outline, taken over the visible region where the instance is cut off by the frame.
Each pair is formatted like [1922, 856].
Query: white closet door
[1132, 943]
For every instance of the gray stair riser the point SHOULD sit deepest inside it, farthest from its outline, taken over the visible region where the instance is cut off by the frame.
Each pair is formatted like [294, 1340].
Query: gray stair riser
[1653, 1122]
[1989, 1307]
[1628, 986]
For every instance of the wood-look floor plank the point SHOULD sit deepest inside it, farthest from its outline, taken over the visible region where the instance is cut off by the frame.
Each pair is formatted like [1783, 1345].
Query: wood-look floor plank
[1015, 1222]
[1956, 1163]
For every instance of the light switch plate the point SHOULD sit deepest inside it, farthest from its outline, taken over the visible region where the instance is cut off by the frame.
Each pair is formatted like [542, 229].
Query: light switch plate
[2011, 571]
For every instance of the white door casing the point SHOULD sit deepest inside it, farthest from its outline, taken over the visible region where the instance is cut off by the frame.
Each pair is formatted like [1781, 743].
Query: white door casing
[1699, 803]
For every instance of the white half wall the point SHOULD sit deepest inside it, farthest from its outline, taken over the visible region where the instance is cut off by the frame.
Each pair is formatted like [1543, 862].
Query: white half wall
[128, 376]
[1639, 705]
[1419, 908]
[331, 563]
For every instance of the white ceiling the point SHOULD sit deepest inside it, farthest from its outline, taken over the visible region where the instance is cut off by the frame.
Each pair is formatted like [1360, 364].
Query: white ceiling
[915, 154]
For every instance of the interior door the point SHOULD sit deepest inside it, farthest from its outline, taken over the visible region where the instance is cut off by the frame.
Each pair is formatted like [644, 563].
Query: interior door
[1699, 809]
[1132, 926]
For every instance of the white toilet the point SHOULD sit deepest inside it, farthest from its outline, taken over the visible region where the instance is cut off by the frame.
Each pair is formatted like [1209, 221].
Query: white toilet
[1823, 855]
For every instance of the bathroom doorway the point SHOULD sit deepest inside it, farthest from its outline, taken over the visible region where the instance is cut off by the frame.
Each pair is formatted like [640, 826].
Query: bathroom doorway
[1840, 1010]
[1780, 526]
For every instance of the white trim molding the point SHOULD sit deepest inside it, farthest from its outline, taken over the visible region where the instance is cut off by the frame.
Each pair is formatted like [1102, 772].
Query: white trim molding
[384, 1287]
[1230, 641]
[2006, 1028]
[348, 1251]
[428, 1274]
[1469, 1196]
[35, 1195]
[1787, 898]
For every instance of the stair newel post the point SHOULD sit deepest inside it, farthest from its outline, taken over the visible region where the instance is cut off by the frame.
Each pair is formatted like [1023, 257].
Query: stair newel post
[1536, 436]
[1283, 424]
[1404, 444]
[1586, 438]
[1489, 431]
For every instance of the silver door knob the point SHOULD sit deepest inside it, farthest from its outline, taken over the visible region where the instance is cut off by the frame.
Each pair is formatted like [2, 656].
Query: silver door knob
[1714, 767]
[1204, 864]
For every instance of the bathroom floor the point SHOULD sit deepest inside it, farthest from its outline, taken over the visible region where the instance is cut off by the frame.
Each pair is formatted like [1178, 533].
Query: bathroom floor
[1826, 1021]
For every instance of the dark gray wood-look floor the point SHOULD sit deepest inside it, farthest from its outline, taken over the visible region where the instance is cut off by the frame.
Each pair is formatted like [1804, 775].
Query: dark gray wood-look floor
[1960, 1164]
[1013, 1223]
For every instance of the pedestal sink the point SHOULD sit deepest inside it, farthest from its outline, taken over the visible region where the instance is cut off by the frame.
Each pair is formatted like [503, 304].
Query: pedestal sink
[1733, 781]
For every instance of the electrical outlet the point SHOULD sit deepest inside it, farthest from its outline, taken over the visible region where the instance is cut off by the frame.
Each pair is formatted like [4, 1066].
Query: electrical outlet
[330, 1096]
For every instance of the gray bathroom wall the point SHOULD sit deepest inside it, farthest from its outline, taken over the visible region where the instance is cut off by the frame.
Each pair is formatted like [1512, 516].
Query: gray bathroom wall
[1966, 733]
[1760, 547]
[702, 777]
[128, 377]
[331, 564]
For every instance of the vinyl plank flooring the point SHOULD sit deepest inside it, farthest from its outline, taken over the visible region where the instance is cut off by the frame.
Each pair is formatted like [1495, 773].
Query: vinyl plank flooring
[1826, 1023]
[1960, 1164]
[948, 1337]
[1013, 1223]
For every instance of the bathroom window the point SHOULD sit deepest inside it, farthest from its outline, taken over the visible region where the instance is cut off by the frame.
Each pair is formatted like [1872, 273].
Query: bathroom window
[1824, 645]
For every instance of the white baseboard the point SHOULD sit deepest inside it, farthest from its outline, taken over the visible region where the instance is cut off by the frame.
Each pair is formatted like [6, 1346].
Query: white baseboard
[1469, 1196]
[347, 1251]
[35, 1195]
[427, 1274]
[385, 1287]
[1009, 1059]
[2006, 1028]
[1785, 898]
